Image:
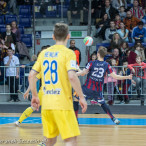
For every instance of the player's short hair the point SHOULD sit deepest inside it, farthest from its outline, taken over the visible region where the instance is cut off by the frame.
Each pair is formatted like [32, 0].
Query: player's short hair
[102, 51]
[60, 31]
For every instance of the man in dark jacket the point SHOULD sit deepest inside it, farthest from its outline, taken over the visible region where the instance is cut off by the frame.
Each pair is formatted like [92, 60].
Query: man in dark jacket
[75, 8]
[109, 10]
[76, 50]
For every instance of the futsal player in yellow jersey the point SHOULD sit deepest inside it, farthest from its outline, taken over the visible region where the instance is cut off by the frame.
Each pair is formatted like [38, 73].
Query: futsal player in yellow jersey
[57, 65]
[30, 109]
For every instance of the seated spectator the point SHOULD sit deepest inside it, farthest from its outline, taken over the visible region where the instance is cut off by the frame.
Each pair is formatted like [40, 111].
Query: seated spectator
[139, 33]
[122, 13]
[3, 49]
[140, 76]
[117, 21]
[130, 22]
[123, 32]
[109, 32]
[109, 10]
[16, 31]
[93, 56]
[12, 74]
[8, 36]
[140, 52]
[116, 56]
[116, 41]
[76, 50]
[131, 56]
[136, 10]
[97, 6]
[118, 3]
[101, 26]
[75, 8]
[3, 7]
[123, 50]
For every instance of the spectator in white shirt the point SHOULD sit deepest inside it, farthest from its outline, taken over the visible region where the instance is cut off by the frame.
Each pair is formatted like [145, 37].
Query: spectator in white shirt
[12, 74]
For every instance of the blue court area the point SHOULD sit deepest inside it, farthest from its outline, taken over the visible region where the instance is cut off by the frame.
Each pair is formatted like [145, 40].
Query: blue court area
[82, 121]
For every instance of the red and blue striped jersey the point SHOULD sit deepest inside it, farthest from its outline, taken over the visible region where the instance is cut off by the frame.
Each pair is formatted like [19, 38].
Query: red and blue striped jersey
[95, 77]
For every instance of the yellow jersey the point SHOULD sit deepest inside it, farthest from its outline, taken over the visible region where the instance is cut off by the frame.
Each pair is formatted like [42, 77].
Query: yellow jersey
[54, 64]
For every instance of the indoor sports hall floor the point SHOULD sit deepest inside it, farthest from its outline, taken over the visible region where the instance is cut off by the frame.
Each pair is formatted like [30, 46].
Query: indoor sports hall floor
[96, 129]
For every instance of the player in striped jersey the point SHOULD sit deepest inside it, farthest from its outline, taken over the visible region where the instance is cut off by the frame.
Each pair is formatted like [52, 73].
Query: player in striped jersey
[95, 79]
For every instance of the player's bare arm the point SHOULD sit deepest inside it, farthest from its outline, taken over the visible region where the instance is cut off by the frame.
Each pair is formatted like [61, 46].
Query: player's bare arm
[118, 77]
[77, 87]
[82, 72]
[28, 90]
[32, 83]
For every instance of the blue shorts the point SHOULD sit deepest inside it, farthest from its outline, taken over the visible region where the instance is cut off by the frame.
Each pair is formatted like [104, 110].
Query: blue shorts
[98, 96]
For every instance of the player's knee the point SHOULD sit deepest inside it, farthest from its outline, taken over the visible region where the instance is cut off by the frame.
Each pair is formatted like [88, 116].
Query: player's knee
[33, 108]
[51, 141]
[72, 141]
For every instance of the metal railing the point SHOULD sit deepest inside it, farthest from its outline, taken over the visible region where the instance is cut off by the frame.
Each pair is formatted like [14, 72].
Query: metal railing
[7, 82]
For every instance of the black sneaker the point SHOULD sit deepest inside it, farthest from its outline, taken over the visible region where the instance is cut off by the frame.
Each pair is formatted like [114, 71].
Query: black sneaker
[10, 100]
[17, 100]
[126, 101]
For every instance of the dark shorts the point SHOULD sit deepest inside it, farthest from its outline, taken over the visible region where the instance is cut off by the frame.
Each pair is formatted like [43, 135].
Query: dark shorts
[98, 96]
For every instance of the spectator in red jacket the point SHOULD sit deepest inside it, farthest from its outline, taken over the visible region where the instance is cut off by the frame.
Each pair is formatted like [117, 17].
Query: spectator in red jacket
[76, 50]
[139, 69]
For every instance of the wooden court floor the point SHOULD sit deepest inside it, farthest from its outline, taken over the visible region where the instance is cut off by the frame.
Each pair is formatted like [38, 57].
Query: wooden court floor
[91, 135]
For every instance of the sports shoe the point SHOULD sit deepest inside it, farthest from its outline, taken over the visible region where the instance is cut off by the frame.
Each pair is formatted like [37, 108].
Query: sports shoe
[93, 102]
[116, 121]
[17, 123]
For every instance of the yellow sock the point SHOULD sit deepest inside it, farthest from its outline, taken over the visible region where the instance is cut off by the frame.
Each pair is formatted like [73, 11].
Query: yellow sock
[26, 114]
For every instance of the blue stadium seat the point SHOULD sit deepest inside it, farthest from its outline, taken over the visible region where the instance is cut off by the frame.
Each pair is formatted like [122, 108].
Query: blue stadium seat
[27, 39]
[65, 8]
[102, 44]
[21, 28]
[2, 28]
[25, 10]
[1, 19]
[25, 21]
[130, 44]
[10, 18]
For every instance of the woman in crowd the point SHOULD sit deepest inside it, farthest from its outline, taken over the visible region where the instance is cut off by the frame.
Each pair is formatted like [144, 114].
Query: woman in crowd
[116, 41]
[101, 26]
[117, 21]
[16, 31]
[123, 32]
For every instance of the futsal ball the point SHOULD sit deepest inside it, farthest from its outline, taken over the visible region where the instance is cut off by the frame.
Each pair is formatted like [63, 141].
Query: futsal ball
[88, 41]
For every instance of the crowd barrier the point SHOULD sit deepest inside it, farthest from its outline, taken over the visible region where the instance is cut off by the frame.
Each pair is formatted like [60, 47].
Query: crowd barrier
[125, 87]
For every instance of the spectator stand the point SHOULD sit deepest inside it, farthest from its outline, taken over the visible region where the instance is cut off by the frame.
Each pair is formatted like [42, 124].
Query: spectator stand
[10, 18]
[2, 28]
[27, 39]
